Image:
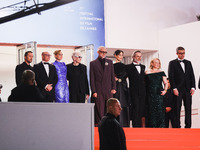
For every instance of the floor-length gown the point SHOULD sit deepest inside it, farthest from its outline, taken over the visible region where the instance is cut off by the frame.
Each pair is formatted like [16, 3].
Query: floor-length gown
[61, 88]
[122, 93]
[155, 107]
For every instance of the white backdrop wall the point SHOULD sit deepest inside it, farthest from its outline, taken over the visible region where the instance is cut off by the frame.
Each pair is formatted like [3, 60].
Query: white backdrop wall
[135, 23]
[7, 70]
[188, 36]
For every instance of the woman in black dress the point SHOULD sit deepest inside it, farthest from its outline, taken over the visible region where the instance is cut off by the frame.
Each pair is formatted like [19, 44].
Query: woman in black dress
[121, 88]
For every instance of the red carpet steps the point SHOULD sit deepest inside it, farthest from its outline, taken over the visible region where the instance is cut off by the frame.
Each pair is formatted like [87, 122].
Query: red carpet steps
[158, 139]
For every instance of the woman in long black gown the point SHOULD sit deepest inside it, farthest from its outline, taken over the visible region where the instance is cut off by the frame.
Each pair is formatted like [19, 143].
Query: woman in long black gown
[121, 88]
[155, 95]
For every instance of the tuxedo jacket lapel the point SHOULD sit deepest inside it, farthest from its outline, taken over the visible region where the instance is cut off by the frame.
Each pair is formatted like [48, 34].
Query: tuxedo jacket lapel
[135, 69]
[186, 66]
[50, 70]
[179, 65]
[142, 69]
[43, 69]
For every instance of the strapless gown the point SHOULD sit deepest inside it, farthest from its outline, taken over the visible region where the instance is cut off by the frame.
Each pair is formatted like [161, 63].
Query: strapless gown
[155, 106]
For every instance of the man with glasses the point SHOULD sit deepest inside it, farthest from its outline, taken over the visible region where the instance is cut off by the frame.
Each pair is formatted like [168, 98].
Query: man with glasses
[77, 77]
[28, 57]
[182, 80]
[46, 77]
[102, 82]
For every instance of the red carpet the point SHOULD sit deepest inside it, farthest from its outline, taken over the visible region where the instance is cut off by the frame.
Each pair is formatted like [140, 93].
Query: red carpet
[158, 139]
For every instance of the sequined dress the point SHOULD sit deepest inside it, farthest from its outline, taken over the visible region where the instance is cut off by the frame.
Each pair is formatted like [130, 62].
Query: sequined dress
[155, 117]
[61, 88]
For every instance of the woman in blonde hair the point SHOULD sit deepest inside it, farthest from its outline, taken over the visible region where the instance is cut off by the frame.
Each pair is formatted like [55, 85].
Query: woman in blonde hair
[155, 78]
[61, 88]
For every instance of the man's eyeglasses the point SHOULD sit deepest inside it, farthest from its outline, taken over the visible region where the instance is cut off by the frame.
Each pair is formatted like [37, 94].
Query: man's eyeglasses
[47, 55]
[181, 53]
[78, 56]
[104, 52]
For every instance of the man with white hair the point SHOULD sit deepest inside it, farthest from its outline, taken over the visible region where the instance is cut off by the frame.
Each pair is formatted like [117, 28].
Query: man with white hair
[102, 82]
[77, 77]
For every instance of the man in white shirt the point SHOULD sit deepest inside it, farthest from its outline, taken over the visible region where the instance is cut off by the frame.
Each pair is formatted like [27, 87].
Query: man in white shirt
[182, 80]
[46, 77]
[136, 77]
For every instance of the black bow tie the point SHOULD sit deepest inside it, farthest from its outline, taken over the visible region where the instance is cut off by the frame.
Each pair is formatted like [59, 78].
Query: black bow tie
[181, 61]
[137, 64]
[46, 63]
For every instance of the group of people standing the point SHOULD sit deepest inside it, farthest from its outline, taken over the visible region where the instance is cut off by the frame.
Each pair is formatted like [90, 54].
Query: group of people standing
[143, 101]
[148, 101]
[51, 79]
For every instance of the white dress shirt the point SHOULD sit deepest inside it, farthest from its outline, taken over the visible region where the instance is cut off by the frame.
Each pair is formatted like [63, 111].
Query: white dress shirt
[182, 64]
[46, 67]
[137, 67]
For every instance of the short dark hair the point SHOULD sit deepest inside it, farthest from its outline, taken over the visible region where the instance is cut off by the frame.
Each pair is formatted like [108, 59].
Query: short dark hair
[26, 53]
[27, 75]
[118, 51]
[179, 48]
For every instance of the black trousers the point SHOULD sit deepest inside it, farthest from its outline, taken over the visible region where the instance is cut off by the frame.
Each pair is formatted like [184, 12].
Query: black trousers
[137, 110]
[186, 98]
[170, 116]
[77, 98]
[124, 119]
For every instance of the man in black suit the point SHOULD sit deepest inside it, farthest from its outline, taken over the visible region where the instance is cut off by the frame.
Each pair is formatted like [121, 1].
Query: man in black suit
[136, 76]
[102, 82]
[77, 77]
[46, 77]
[26, 91]
[182, 80]
[111, 134]
[28, 57]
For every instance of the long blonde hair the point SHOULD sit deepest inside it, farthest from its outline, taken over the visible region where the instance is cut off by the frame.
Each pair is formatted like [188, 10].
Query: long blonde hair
[151, 63]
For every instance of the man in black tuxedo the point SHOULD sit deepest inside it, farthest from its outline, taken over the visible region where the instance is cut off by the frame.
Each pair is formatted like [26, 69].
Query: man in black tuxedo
[111, 134]
[26, 91]
[46, 77]
[136, 76]
[77, 77]
[182, 80]
[28, 57]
